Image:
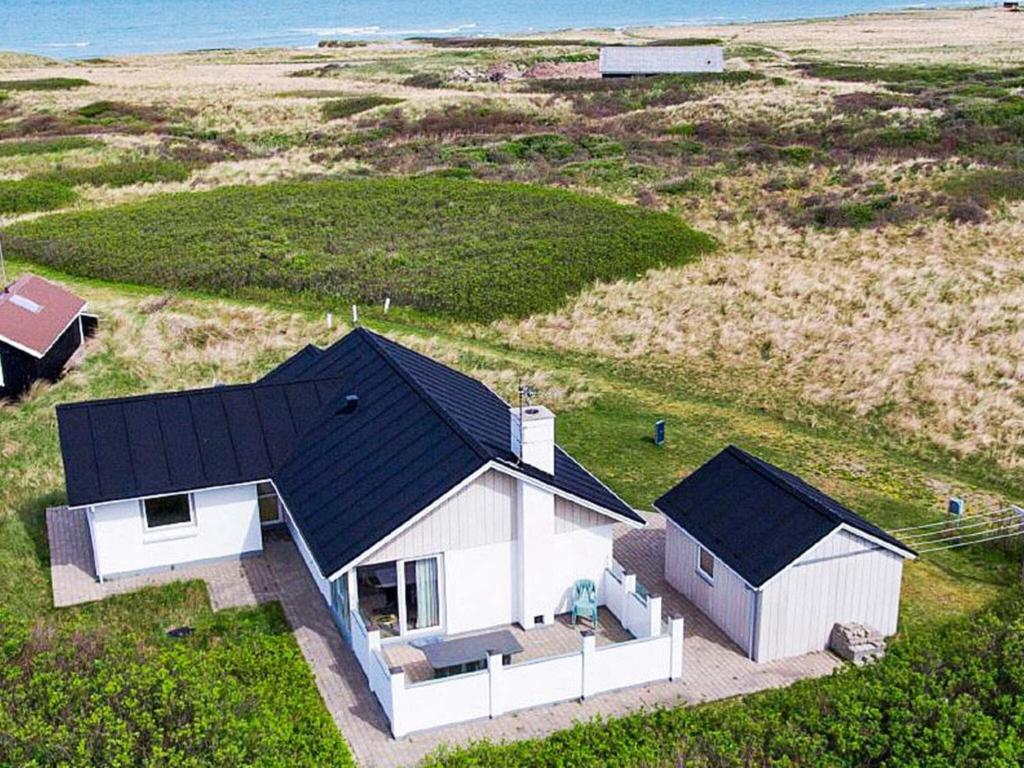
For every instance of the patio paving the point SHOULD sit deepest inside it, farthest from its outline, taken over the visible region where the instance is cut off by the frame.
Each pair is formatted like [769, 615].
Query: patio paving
[713, 666]
[231, 583]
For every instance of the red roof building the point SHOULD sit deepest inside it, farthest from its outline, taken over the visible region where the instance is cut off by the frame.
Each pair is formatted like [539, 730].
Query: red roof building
[40, 330]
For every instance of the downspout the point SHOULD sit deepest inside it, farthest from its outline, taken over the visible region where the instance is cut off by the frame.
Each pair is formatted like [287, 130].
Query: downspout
[755, 624]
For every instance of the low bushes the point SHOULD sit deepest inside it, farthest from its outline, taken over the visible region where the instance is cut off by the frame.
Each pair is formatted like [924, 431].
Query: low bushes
[336, 109]
[47, 146]
[43, 84]
[27, 195]
[465, 249]
[122, 174]
[950, 697]
[988, 184]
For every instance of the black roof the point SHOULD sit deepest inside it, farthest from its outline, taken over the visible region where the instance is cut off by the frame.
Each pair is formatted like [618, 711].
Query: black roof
[166, 443]
[358, 439]
[756, 517]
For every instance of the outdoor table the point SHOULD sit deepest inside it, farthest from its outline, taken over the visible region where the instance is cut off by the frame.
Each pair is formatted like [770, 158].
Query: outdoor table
[469, 654]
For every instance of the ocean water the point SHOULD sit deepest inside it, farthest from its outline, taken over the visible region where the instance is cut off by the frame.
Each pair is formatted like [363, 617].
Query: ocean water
[87, 28]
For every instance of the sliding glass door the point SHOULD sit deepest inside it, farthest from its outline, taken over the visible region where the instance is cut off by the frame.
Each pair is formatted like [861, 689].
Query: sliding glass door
[340, 604]
[422, 608]
[400, 596]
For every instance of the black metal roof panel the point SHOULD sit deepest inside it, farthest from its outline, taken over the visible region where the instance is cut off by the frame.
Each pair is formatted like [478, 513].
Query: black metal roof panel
[756, 517]
[169, 443]
[296, 366]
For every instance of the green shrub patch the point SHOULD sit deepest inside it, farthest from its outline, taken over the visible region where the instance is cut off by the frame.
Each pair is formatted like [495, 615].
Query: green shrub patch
[44, 84]
[336, 109]
[27, 195]
[465, 249]
[122, 174]
[47, 146]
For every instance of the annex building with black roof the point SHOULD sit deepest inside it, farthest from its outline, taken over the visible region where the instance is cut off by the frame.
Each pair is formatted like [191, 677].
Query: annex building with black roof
[774, 561]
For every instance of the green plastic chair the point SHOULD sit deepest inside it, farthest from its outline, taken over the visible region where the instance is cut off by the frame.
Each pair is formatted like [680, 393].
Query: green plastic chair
[584, 601]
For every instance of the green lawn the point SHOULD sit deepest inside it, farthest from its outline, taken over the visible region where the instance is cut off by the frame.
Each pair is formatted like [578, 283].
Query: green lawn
[459, 248]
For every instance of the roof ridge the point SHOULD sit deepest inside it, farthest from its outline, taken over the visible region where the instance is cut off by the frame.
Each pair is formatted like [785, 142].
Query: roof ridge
[375, 343]
[758, 465]
[196, 391]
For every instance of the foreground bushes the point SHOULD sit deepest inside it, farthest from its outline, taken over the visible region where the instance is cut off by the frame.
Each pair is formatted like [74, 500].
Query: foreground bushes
[238, 692]
[471, 250]
[953, 697]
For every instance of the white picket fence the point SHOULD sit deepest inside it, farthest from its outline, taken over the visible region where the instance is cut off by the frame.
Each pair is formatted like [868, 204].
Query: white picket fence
[655, 654]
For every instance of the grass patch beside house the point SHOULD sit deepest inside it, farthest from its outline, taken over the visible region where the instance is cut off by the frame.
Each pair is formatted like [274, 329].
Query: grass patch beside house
[464, 249]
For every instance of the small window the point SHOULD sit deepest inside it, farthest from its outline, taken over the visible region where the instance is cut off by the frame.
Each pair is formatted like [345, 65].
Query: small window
[705, 564]
[270, 508]
[163, 511]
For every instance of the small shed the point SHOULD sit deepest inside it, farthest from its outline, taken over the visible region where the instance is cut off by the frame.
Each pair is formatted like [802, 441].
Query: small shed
[773, 561]
[634, 60]
[42, 326]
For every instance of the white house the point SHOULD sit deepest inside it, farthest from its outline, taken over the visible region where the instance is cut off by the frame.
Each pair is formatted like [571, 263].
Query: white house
[632, 60]
[775, 562]
[423, 505]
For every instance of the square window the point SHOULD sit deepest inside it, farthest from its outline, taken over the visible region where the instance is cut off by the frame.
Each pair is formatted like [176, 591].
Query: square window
[705, 564]
[163, 511]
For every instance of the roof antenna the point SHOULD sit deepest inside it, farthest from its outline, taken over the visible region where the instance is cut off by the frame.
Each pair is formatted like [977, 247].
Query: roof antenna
[526, 393]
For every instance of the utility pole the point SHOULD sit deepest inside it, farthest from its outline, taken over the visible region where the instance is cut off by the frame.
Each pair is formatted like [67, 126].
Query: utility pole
[3, 267]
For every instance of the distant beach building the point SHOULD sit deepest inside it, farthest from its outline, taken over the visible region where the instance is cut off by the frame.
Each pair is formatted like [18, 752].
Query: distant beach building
[632, 60]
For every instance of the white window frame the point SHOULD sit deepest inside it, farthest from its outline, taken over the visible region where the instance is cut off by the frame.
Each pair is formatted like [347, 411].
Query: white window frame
[173, 531]
[708, 577]
[1, 370]
[403, 630]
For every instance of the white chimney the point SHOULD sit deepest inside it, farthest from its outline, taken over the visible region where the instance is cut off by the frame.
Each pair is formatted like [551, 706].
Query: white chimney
[533, 438]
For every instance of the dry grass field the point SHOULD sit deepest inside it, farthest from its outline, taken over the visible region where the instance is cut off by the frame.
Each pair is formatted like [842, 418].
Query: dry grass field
[847, 277]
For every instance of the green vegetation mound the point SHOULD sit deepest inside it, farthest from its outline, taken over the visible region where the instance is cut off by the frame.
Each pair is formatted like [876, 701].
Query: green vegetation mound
[466, 249]
[337, 109]
[44, 84]
[28, 195]
[47, 146]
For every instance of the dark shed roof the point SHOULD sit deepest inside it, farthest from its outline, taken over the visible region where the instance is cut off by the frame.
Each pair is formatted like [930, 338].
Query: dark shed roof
[358, 438]
[756, 517]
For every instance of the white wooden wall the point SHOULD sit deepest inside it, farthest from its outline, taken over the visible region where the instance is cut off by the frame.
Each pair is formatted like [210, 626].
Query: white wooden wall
[728, 602]
[482, 513]
[842, 578]
[570, 516]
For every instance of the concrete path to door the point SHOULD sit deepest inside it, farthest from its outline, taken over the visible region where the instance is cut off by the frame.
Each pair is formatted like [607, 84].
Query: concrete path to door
[713, 667]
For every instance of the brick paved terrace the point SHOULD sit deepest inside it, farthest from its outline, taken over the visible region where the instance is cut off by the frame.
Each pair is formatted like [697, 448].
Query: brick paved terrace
[713, 667]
